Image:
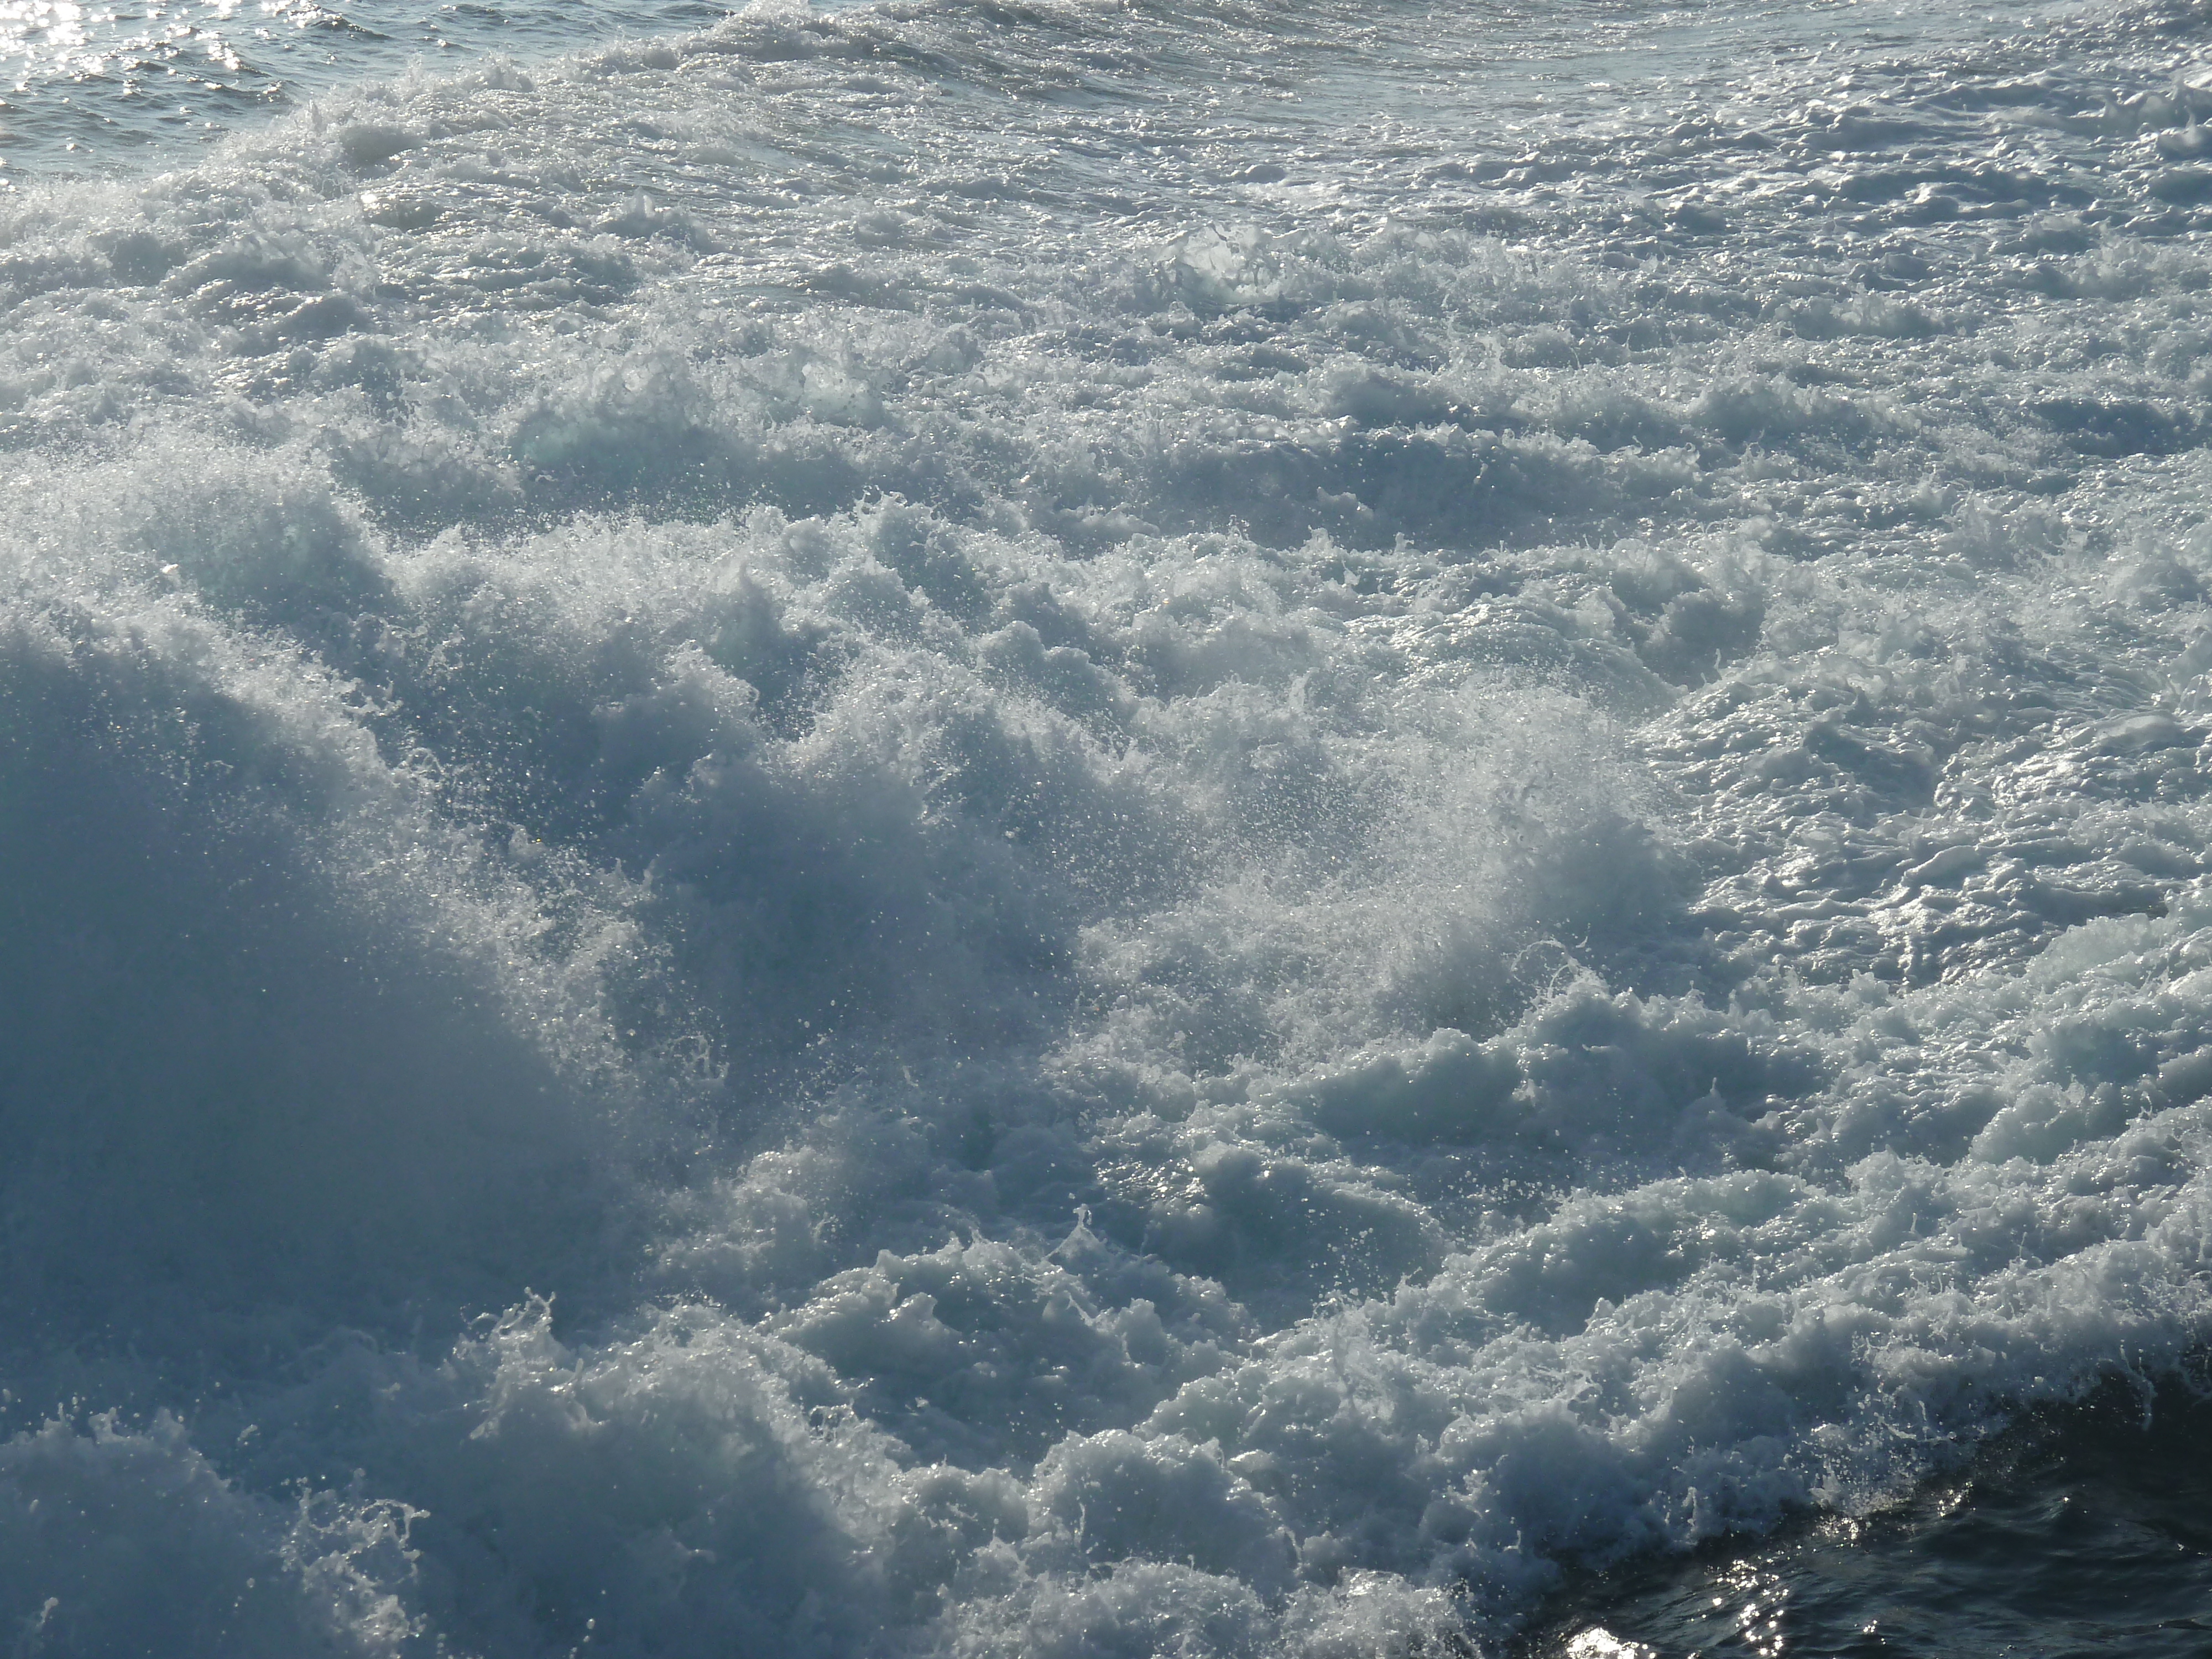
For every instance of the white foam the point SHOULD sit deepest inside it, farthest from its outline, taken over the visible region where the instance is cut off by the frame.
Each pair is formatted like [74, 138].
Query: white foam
[808, 854]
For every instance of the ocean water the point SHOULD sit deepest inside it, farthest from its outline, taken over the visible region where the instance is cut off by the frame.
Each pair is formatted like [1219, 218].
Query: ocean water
[2079, 1531]
[992, 827]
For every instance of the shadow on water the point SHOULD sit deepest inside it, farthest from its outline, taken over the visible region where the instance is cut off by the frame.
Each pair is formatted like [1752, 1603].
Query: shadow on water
[2082, 1530]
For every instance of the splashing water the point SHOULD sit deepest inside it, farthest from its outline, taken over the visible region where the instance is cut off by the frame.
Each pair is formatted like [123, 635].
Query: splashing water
[1084, 828]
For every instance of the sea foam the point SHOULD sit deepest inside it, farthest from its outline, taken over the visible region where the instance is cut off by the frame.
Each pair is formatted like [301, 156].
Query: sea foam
[1106, 830]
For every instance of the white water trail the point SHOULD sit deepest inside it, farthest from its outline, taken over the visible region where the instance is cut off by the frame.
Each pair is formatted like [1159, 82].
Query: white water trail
[1090, 830]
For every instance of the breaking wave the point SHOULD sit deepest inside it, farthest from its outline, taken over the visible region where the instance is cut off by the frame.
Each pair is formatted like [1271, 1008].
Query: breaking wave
[1075, 829]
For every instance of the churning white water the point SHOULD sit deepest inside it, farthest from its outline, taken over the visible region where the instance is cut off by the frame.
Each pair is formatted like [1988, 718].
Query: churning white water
[1087, 829]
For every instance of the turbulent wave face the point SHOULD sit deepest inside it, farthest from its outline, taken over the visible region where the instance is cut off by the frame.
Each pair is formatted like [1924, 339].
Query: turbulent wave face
[1092, 829]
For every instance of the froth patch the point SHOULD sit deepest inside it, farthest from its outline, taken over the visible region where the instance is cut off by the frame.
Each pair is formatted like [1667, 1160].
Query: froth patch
[1178, 921]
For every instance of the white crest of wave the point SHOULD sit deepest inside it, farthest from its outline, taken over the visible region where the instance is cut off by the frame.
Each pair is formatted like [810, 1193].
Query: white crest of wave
[798, 862]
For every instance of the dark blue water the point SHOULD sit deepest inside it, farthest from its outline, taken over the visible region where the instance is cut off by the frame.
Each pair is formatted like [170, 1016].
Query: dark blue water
[2079, 1532]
